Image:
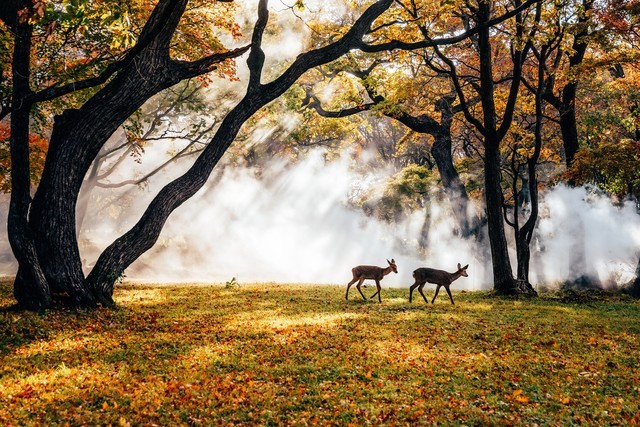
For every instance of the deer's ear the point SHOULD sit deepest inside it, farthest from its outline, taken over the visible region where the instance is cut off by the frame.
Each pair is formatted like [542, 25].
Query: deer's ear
[388, 261]
[459, 266]
[465, 267]
[393, 261]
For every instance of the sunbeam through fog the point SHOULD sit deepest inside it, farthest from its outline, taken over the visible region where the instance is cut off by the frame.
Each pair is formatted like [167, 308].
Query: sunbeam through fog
[292, 222]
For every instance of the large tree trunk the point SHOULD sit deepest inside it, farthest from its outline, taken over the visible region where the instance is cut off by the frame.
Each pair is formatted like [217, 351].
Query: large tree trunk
[503, 281]
[75, 142]
[78, 136]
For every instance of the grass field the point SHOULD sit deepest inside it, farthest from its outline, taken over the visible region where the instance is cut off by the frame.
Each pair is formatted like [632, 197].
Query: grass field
[269, 354]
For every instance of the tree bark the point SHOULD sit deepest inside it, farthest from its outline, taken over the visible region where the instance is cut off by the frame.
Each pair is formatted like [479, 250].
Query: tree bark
[635, 285]
[33, 293]
[76, 140]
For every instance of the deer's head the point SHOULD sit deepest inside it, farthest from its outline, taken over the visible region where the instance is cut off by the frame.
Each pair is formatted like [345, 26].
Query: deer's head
[392, 263]
[463, 270]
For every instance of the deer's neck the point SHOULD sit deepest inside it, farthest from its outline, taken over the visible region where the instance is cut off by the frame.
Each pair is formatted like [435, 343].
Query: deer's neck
[386, 271]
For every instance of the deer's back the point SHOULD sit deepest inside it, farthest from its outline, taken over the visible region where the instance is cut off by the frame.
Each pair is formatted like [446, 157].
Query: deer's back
[431, 275]
[367, 272]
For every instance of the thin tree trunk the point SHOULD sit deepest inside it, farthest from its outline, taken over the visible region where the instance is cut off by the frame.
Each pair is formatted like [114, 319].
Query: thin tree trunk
[566, 104]
[524, 257]
[503, 281]
[524, 234]
[568, 123]
[31, 289]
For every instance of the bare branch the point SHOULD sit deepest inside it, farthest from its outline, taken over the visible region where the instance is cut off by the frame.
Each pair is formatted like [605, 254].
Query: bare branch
[398, 44]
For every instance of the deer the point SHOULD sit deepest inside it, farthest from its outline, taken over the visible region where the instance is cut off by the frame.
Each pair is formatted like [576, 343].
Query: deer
[362, 272]
[438, 277]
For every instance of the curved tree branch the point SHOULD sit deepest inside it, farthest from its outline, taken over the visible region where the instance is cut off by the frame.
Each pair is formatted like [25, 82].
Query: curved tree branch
[398, 44]
[126, 249]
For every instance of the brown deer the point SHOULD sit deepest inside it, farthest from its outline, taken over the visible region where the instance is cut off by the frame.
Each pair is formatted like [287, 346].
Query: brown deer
[438, 277]
[362, 272]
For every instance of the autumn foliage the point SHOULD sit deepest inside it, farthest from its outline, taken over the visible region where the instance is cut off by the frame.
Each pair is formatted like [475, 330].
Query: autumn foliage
[37, 153]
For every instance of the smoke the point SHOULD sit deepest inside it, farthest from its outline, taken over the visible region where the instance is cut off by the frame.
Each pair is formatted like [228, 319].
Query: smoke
[285, 223]
[293, 222]
[584, 220]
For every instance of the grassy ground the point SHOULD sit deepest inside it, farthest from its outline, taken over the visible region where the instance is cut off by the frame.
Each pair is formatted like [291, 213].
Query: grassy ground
[300, 355]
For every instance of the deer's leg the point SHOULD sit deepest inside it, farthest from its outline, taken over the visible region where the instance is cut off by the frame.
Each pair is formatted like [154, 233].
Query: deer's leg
[436, 294]
[348, 286]
[360, 290]
[446, 288]
[378, 291]
[415, 285]
[422, 293]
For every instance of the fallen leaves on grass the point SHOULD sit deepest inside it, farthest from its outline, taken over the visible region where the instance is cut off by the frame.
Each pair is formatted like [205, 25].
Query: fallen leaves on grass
[301, 355]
